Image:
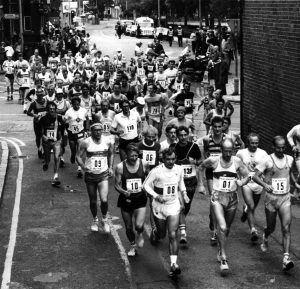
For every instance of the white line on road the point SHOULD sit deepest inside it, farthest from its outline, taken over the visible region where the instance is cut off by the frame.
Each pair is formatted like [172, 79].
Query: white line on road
[6, 276]
[21, 143]
[123, 254]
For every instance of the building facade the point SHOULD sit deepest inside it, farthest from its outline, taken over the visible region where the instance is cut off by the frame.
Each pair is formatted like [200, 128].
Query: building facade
[270, 96]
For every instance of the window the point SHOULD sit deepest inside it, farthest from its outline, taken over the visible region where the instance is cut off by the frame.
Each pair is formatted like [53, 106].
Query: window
[27, 23]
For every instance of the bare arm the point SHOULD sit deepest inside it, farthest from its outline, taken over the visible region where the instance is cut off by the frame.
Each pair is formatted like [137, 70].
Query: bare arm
[80, 153]
[207, 119]
[118, 180]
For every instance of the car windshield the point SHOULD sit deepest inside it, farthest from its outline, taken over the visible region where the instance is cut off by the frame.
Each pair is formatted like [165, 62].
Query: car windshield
[146, 24]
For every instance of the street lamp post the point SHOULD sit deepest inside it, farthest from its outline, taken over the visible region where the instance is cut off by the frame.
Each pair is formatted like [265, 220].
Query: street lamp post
[21, 25]
[158, 11]
[200, 22]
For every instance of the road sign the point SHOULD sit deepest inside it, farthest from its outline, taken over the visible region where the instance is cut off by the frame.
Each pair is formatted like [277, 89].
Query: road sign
[69, 6]
[85, 2]
[11, 16]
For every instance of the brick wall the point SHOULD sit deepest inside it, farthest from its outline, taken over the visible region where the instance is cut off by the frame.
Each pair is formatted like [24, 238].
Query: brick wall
[270, 102]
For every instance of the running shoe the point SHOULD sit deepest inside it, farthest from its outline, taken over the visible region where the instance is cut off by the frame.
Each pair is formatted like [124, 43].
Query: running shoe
[140, 240]
[224, 266]
[174, 270]
[8, 99]
[254, 235]
[244, 214]
[45, 167]
[153, 237]
[56, 182]
[287, 263]
[62, 163]
[214, 239]
[183, 239]
[11, 97]
[132, 251]
[202, 190]
[94, 226]
[79, 174]
[106, 226]
[264, 245]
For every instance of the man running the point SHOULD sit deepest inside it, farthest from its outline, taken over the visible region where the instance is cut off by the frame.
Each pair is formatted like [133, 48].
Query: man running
[126, 125]
[171, 137]
[224, 200]
[251, 156]
[77, 122]
[188, 155]
[52, 129]
[277, 169]
[129, 177]
[98, 167]
[165, 184]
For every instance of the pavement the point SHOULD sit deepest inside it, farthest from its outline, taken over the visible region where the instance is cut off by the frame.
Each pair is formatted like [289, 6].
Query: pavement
[45, 241]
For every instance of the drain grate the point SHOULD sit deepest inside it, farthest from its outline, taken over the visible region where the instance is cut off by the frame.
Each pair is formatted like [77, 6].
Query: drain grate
[18, 157]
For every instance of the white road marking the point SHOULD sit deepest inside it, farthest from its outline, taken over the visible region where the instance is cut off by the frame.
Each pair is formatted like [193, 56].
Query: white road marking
[123, 254]
[13, 114]
[6, 276]
[21, 143]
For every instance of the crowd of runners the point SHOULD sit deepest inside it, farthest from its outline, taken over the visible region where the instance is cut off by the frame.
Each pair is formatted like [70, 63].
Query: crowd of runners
[109, 108]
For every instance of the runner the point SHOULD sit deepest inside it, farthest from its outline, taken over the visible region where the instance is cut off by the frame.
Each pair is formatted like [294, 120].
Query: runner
[293, 138]
[188, 156]
[171, 137]
[24, 81]
[155, 103]
[212, 148]
[236, 138]
[52, 130]
[96, 157]
[251, 157]
[165, 185]
[224, 200]
[149, 148]
[37, 109]
[116, 98]
[126, 125]
[129, 177]
[106, 116]
[77, 120]
[218, 111]
[9, 69]
[277, 169]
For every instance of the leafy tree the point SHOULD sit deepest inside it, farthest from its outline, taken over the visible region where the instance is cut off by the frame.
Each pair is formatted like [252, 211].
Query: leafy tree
[224, 8]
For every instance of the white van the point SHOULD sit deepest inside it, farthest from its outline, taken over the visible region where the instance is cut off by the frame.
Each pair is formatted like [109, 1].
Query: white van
[146, 24]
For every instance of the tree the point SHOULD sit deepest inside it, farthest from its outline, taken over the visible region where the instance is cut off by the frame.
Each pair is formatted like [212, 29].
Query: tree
[224, 8]
[181, 9]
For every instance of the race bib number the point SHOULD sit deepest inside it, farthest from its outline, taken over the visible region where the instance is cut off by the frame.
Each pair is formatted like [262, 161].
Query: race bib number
[188, 102]
[162, 83]
[134, 185]
[141, 72]
[150, 67]
[76, 128]
[170, 191]
[117, 106]
[226, 184]
[53, 66]
[98, 163]
[155, 110]
[178, 86]
[251, 175]
[51, 134]
[149, 157]
[189, 171]
[9, 69]
[279, 186]
[130, 128]
[105, 94]
[106, 127]
[25, 80]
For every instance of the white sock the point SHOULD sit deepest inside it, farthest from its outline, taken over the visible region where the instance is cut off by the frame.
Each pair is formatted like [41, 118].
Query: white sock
[55, 176]
[173, 259]
[79, 168]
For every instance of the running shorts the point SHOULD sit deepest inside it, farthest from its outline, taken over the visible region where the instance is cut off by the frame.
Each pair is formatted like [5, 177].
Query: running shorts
[163, 211]
[274, 202]
[75, 136]
[132, 203]
[229, 200]
[91, 178]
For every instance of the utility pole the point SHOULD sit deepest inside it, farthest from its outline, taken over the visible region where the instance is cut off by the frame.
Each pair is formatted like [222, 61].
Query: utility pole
[158, 11]
[200, 14]
[21, 24]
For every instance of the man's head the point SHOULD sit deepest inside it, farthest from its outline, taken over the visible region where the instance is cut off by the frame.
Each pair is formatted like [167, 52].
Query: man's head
[169, 158]
[253, 141]
[132, 153]
[125, 105]
[181, 112]
[96, 130]
[182, 133]
[104, 105]
[217, 125]
[171, 132]
[150, 135]
[227, 147]
[51, 108]
[75, 101]
[226, 123]
[117, 88]
[279, 146]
